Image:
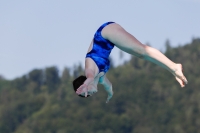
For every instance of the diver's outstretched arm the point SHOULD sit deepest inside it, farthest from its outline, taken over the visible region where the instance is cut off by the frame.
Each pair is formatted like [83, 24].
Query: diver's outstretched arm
[128, 43]
[107, 86]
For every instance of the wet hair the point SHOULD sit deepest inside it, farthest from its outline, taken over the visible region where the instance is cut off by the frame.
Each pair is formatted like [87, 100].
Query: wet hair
[78, 82]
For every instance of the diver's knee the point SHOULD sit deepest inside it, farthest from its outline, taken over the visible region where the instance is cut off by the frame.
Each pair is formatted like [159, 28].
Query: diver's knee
[141, 52]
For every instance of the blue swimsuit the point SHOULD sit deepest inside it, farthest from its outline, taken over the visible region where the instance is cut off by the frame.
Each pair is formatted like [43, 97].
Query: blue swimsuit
[101, 50]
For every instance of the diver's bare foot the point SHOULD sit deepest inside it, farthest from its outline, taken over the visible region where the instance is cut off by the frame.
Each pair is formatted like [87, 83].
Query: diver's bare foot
[178, 73]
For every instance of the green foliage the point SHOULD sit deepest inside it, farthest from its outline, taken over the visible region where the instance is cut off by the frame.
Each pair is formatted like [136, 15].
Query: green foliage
[52, 79]
[146, 99]
[37, 76]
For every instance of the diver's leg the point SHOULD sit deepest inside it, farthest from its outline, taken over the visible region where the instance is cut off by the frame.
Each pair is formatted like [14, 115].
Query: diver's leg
[128, 43]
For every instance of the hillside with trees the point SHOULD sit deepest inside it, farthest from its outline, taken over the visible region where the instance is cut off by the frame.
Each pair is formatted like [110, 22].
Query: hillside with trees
[147, 99]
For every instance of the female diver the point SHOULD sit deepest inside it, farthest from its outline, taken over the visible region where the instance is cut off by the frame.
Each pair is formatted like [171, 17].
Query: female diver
[108, 35]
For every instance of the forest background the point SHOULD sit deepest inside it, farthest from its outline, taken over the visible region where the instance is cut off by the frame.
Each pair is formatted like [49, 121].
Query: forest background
[147, 99]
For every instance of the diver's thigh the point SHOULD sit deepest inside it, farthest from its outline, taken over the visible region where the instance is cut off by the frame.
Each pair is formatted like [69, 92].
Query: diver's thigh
[122, 39]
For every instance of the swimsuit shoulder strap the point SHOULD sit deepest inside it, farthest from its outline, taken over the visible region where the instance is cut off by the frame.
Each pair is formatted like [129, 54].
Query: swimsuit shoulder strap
[102, 26]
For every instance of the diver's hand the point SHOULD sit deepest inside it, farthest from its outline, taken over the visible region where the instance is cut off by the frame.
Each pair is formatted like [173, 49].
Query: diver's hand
[85, 87]
[92, 87]
[82, 89]
[110, 95]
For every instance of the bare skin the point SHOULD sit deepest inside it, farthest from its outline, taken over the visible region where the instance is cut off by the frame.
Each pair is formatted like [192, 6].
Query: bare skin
[127, 43]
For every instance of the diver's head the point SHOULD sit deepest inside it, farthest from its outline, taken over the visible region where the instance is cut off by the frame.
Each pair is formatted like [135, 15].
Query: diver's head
[78, 82]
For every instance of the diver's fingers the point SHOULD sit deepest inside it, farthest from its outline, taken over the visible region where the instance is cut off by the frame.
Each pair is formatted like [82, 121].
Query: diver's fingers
[107, 101]
[86, 94]
[81, 89]
[108, 98]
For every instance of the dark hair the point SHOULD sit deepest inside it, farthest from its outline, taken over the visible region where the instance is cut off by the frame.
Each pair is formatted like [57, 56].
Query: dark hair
[78, 82]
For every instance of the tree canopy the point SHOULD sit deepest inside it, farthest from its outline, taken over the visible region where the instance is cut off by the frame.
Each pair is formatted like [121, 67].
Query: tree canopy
[146, 99]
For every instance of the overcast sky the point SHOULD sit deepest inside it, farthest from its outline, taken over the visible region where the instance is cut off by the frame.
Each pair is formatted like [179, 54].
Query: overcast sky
[44, 33]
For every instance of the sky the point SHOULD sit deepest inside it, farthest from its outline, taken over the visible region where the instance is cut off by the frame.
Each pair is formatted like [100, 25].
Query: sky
[43, 33]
